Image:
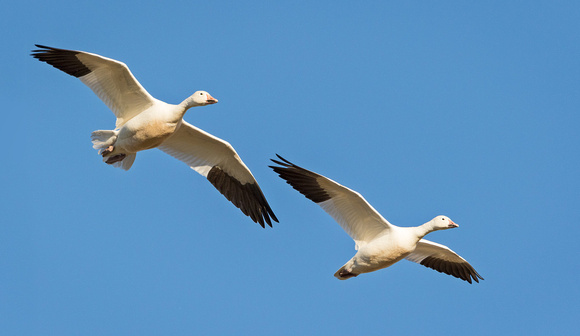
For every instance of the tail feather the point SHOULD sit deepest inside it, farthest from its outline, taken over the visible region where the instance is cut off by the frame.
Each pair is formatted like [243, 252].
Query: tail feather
[103, 138]
[128, 161]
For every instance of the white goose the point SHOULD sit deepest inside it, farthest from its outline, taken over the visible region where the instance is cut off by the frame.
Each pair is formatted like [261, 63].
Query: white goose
[380, 244]
[144, 122]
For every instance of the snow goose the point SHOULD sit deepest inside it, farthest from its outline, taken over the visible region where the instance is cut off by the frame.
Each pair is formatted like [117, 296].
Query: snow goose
[144, 122]
[380, 244]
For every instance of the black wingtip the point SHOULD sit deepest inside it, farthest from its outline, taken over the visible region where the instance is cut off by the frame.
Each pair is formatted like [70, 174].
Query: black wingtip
[62, 59]
[303, 180]
[274, 218]
[43, 46]
[42, 49]
[463, 271]
[283, 159]
[285, 162]
[247, 197]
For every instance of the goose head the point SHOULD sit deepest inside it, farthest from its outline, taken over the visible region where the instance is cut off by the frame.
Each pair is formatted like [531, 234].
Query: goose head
[443, 223]
[202, 98]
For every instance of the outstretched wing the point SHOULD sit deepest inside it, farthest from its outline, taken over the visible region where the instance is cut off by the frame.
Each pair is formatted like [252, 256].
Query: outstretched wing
[110, 80]
[217, 160]
[443, 259]
[354, 214]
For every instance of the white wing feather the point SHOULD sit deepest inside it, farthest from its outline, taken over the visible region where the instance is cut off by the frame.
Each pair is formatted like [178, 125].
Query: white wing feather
[443, 259]
[350, 210]
[115, 85]
[426, 248]
[354, 214]
[201, 151]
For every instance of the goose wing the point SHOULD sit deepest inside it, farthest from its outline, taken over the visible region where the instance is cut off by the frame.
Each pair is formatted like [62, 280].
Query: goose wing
[217, 160]
[442, 259]
[110, 80]
[354, 214]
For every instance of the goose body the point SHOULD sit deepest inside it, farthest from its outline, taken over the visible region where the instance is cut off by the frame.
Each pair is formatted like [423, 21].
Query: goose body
[379, 244]
[144, 122]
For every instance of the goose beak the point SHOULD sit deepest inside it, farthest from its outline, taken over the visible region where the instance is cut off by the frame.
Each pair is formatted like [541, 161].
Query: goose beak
[210, 100]
[452, 224]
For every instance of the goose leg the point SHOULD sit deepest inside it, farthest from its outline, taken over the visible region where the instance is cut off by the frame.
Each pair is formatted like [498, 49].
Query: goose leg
[107, 151]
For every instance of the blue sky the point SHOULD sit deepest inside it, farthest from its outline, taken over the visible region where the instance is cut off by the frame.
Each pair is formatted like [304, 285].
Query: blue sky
[459, 108]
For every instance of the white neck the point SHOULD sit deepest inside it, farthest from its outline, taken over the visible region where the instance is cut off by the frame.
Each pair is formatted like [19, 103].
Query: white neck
[189, 103]
[424, 229]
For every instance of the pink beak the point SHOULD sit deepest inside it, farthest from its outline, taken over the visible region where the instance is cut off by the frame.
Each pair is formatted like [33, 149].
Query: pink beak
[452, 224]
[210, 100]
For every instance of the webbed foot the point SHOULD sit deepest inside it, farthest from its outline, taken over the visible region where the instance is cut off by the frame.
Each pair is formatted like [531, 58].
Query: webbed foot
[115, 158]
[107, 151]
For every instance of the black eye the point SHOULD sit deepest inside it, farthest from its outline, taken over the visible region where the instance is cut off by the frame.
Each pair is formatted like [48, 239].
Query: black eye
[201, 93]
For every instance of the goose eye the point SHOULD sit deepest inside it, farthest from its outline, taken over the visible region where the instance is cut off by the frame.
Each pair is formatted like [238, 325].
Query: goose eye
[201, 93]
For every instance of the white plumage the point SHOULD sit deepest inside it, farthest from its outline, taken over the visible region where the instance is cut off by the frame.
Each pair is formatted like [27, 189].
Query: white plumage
[144, 122]
[380, 244]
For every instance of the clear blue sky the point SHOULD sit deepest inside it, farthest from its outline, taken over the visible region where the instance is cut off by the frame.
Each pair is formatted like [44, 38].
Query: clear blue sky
[458, 108]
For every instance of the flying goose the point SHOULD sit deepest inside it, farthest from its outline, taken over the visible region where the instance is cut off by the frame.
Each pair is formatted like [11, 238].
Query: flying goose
[380, 244]
[144, 122]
